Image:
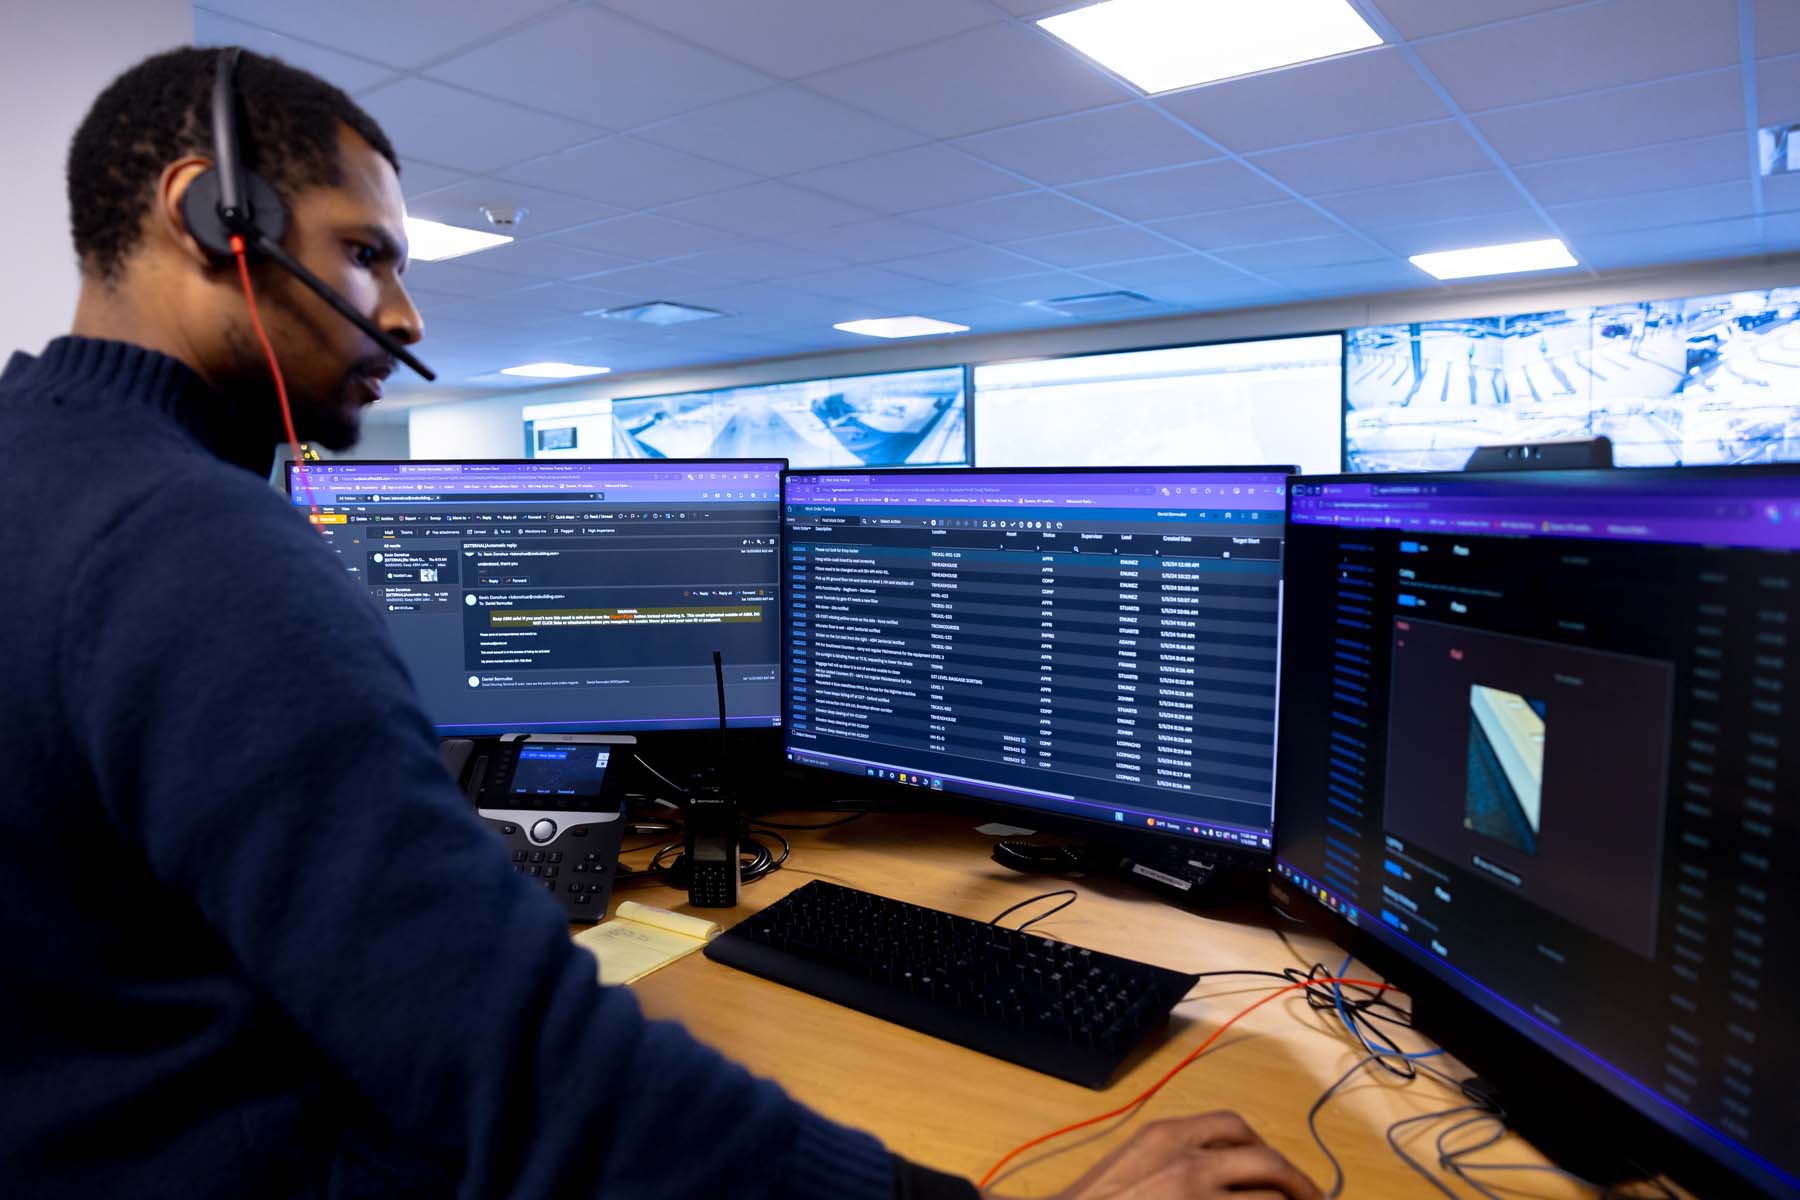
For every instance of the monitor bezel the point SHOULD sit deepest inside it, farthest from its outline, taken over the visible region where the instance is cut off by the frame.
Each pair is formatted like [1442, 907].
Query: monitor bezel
[1090, 829]
[653, 733]
[1568, 1115]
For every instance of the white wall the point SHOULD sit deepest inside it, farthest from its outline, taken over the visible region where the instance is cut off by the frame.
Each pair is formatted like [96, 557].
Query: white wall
[493, 427]
[480, 428]
[55, 57]
[381, 439]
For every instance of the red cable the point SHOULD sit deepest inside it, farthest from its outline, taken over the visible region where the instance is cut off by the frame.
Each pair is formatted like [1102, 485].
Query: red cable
[1172, 1072]
[287, 415]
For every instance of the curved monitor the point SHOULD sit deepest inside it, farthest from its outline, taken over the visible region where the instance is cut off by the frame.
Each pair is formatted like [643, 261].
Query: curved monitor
[568, 596]
[1538, 761]
[1094, 645]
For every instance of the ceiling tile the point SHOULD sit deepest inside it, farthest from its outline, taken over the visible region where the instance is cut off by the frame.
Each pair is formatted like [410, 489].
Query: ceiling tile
[1284, 222]
[1353, 93]
[1045, 285]
[1178, 273]
[836, 32]
[458, 279]
[1781, 192]
[546, 212]
[1491, 230]
[795, 307]
[1313, 252]
[598, 66]
[1433, 200]
[347, 72]
[1778, 92]
[871, 241]
[570, 299]
[1608, 121]
[545, 260]
[778, 131]
[924, 299]
[1651, 168]
[965, 266]
[1027, 214]
[983, 79]
[766, 209]
[922, 177]
[655, 280]
[1377, 159]
[1422, 18]
[417, 178]
[1038, 8]
[400, 34]
[526, 306]
[1091, 145]
[1581, 49]
[1096, 246]
[1718, 201]
[644, 236]
[1781, 232]
[627, 172]
[1180, 190]
[1351, 277]
[850, 282]
[999, 316]
[1240, 291]
[1653, 246]
[1777, 27]
[460, 129]
[761, 260]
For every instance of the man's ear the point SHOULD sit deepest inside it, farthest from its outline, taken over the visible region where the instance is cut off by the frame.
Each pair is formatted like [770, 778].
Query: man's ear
[167, 220]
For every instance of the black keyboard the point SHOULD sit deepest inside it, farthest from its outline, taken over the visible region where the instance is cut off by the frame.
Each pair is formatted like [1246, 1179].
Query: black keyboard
[1056, 1008]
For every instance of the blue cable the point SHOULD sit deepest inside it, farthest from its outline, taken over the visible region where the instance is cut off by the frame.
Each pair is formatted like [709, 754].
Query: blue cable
[1337, 995]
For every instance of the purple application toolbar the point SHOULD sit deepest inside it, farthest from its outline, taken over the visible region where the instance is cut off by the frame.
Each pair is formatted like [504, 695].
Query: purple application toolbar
[650, 482]
[1259, 490]
[1759, 509]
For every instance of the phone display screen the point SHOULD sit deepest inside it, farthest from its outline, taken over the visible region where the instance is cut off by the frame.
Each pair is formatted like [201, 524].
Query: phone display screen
[564, 769]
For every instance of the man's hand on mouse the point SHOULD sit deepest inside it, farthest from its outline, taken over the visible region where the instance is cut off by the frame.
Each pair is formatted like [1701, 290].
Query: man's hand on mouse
[1193, 1158]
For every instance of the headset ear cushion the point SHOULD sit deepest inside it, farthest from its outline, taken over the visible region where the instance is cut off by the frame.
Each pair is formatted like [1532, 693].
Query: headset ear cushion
[200, 209]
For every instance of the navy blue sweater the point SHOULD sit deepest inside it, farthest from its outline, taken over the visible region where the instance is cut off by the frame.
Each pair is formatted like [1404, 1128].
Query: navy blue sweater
[254, 942]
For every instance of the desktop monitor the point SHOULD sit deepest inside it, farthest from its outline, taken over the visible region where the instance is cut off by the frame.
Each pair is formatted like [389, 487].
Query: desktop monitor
[1271, 400]
[567, 596]
[1095, 646]
[1538, 763]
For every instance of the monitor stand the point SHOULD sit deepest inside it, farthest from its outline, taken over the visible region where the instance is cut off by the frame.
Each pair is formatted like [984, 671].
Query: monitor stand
[1191, 876]
[1569, 1127]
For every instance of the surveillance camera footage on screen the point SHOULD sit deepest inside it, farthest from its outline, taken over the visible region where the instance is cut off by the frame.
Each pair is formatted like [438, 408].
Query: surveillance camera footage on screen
[1703, 380]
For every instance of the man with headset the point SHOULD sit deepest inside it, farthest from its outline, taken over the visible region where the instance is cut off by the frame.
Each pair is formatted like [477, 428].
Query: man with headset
[257, 944]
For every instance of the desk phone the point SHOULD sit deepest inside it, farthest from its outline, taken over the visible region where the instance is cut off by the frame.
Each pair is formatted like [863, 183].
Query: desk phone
[557, 801]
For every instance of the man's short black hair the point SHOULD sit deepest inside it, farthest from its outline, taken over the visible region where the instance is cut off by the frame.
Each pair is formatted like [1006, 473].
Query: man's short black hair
[161, 109]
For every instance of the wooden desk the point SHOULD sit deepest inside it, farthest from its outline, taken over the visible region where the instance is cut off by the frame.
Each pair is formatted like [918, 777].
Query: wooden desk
[957, 1110]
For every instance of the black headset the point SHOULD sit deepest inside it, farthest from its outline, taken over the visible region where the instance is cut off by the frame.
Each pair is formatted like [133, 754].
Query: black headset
[228, 201]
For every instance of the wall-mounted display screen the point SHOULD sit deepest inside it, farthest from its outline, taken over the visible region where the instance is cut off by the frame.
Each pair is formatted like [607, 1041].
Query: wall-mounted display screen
[901, 418]
[1274, 401]
[1707, 379]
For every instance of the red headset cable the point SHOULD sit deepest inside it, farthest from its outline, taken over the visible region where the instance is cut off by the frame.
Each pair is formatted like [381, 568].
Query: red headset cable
[287, 415]
[1172, 1072]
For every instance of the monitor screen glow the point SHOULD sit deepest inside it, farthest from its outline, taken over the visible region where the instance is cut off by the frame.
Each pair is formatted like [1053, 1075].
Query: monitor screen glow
[1275, 401]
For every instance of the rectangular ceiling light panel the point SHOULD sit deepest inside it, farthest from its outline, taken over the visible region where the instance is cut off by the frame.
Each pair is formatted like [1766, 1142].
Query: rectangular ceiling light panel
[1512, 258]
[900, 327]
[433, 241]
[1162, 45]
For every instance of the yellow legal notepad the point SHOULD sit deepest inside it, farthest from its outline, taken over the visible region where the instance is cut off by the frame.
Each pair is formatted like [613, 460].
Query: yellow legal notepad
[639, 939]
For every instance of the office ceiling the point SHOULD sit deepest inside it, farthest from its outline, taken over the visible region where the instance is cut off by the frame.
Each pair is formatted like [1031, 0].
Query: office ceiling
[796, 163]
